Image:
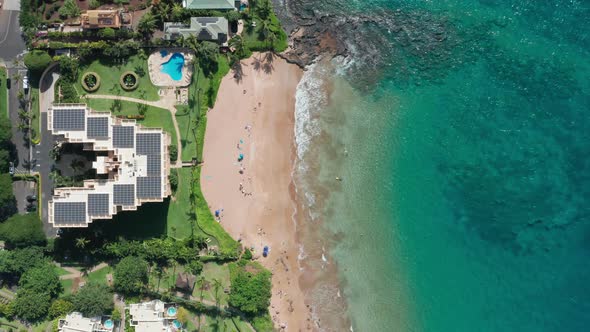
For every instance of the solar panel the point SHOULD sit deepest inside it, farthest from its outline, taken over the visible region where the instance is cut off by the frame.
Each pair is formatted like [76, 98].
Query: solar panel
[124, 194]
[98, 127]
[69, 119]
[123, 136]
[148, 143]
[154, 164]
[149, 187]
[69, 212]
[98, 204]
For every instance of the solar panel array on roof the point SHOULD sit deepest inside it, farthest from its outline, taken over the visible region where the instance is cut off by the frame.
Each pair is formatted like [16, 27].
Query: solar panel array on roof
[124, 194]
[123, 136]
[69, 212]
[154, 165]
[98, 127]
[148, 143]
[98, 205]
[149, 187]
[69, 119]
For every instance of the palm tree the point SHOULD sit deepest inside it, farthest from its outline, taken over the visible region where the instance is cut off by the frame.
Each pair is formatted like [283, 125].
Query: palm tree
[81, 242]
[177, 12]
[201, 283]
[238, 45]
[216, 287]
[147, 25]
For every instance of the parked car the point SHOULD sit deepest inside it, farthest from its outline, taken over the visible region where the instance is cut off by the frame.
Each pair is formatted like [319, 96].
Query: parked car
[26, 83]
[31, 198]
[265, 251]
[11, 168]
[32, 207]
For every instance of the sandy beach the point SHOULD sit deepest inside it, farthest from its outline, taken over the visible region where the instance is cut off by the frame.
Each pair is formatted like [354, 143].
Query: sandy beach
[254, 116]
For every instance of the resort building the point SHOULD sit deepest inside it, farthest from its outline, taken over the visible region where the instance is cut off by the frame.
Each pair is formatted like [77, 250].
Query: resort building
[75, 322]
[204, 28]
[154, 316]
[211, 4]
[97, 19]
[132, 165]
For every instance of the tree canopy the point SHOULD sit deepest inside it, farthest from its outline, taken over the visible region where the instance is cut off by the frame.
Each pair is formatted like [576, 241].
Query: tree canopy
[37, 60]
[250, 292]
[69, 9]
[31, 306]
[17, 261]
[22, 230]
[7, 200]
[42, 279]
[94, 299]
[131, 275]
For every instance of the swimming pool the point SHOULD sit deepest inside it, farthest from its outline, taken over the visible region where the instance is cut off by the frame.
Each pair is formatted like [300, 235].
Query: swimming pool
[173, 67]
[171, 311]
[109, 324]
[176, 324]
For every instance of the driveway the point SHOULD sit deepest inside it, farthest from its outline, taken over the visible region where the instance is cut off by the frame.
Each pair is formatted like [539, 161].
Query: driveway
[22, 189]
[43, 160]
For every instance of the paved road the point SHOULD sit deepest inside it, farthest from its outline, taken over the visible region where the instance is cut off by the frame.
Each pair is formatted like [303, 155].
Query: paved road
[18, 137]
[11, 42]
[22, 189]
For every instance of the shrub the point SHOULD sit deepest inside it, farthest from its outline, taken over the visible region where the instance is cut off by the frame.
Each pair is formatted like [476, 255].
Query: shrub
[173, 179]
[69, 9]
[90, 81]
[60, 308]
[37, 60]
[107, 33]
[173, 152]
[129, 81]
[250, 292]
[93, 4]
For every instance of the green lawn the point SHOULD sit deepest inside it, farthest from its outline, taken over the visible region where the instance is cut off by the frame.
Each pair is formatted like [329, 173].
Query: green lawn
[214, 271]
[154, 117]
[100, 276]
[60, 271]
[111, 73]
[252, 36]
[179, 222]
[67, 285]
[3, 93]
[185, 119]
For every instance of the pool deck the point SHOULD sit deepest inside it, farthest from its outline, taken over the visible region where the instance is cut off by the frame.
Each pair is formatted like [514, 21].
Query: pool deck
[159, 78]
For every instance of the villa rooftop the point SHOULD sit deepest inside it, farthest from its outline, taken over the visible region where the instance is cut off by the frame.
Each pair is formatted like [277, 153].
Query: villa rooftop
[209, 4]
[133, 164]
[75, 322]
[153, 316]
[204, 28]
[96, 19]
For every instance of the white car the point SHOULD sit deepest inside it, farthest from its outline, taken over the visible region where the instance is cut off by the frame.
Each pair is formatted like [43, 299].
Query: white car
[26, 83]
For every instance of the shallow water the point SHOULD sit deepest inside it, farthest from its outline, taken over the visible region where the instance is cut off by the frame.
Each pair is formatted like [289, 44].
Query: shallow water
[460, 130]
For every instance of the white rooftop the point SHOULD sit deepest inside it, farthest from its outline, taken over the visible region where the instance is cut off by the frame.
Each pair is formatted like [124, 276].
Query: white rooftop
[133, 163]
[75, 322]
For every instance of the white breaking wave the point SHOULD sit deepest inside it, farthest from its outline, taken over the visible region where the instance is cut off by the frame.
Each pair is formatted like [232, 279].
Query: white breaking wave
[310, 98]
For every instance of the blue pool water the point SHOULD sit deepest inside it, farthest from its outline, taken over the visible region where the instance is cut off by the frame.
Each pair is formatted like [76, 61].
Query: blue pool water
[176, 324]
[171, 311]
[108, 324]
[173, 66]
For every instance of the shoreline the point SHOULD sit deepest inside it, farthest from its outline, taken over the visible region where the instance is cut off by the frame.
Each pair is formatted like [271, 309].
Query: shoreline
[257, 200]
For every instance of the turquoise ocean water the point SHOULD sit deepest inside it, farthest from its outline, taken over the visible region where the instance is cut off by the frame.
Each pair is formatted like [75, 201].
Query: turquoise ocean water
[461, 130]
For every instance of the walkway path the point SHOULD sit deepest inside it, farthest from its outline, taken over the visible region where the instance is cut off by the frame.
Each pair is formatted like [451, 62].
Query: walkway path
[74, 273]
[162, 103]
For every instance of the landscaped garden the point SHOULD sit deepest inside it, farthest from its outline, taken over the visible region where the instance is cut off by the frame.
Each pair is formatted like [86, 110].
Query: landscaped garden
[112, 78]
[3, 93]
